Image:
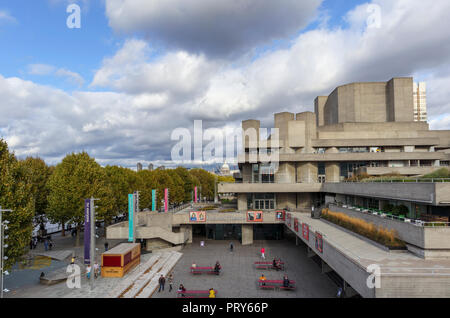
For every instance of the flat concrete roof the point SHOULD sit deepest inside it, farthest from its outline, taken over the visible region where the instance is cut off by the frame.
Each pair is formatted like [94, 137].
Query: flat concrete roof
[122, 248]
[365, 253]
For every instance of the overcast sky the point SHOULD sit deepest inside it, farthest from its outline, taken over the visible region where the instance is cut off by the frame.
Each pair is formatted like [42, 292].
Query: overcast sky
[137, 69]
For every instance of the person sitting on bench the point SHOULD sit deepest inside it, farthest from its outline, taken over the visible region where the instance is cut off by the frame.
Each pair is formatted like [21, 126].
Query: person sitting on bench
[181, 289]
[263, 279]
[278, 264]
[286, 281]
[217, 267]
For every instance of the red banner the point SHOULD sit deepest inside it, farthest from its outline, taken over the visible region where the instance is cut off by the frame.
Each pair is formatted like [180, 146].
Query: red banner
[296, 225]
[305, 231]
[279, 215]
[319, 242]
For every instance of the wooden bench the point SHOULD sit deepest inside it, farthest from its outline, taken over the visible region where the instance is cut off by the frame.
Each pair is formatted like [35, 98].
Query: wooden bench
[194, 294]
[267, 265]
[204, 270]
[276, 284]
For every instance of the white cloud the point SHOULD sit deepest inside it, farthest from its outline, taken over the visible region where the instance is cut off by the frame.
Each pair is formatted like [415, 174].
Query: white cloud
[6, 17]
[148, 94]
[217, 28]
[46, 70]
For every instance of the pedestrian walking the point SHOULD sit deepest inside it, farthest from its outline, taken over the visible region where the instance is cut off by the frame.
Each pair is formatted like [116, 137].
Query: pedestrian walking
[170, 280]
[106, 246]
[88, 272]
[35, 241]
[263, 251]
[46, 244]
[162, 282]
[96, 270]
[231, 247]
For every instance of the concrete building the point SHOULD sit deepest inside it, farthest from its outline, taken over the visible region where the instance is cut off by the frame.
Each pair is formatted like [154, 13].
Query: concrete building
[139, 166]
[150, 167]
[420, 101]
[360, 127]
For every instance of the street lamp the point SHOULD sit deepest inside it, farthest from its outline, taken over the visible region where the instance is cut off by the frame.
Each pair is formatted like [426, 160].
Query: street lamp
[3, 228]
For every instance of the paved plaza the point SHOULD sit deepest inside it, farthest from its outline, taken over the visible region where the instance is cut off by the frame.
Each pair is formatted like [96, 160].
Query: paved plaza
[237, 280]
[239, 276]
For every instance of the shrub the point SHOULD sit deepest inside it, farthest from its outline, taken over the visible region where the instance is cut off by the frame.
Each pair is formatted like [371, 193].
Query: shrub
[376, 233]
[388, 207]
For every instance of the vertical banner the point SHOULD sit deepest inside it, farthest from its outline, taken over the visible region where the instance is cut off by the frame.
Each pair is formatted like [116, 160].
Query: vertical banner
[130, 217]
[87, 231]
[166, 200]
[153, 200]
[195, 195]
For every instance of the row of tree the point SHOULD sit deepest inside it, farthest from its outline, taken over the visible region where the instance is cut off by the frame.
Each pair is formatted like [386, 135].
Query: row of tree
[35, 191]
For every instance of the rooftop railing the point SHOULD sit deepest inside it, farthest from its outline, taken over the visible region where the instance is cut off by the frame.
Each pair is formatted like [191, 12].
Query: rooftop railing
[386, 215]
[400, 180]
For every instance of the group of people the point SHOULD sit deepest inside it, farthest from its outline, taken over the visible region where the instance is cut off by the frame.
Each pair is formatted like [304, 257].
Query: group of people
[276, 263]
[162, 282]
[286, 281]
[89, 269]
[217, 267]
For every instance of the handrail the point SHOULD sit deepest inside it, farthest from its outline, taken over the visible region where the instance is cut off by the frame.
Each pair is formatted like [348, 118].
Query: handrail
[415, 222]
[400, 180]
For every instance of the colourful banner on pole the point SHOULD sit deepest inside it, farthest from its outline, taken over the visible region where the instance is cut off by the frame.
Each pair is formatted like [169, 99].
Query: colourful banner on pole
[166, 200]
[130, 217]
[153, 200]
[87, 231]
[195, 195]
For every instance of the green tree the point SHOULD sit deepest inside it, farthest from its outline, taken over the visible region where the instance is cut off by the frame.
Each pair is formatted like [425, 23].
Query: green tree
[15, 194]
[76, 178]
[206, 180]
[122, 181]
[39, 174]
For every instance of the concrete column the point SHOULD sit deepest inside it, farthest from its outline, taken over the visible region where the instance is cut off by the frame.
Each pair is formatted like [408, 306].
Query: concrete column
[286, 200]
[285, 173]
[188, 229]
[307, 172]
[332, 172]
[247, 234]
[304, 201]
[242, 201]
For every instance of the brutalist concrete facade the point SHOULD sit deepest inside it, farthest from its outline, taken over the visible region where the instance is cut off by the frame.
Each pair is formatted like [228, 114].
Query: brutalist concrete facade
[359, 127]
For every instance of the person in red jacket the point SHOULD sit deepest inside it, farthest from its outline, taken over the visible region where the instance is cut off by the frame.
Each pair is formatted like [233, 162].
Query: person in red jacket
[263, 251]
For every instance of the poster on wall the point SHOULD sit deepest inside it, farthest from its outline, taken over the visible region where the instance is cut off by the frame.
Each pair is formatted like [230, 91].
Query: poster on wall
[197, 216]
[279, 215]
[254, 216]
[319, 242]
[296, 225]
[288, 217]
[305, 231]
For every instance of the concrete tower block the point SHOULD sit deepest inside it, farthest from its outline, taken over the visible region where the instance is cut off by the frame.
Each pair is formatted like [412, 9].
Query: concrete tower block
[281, 122]
[250, 131]
[319, 105]
[400, 100]
[309, 119]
